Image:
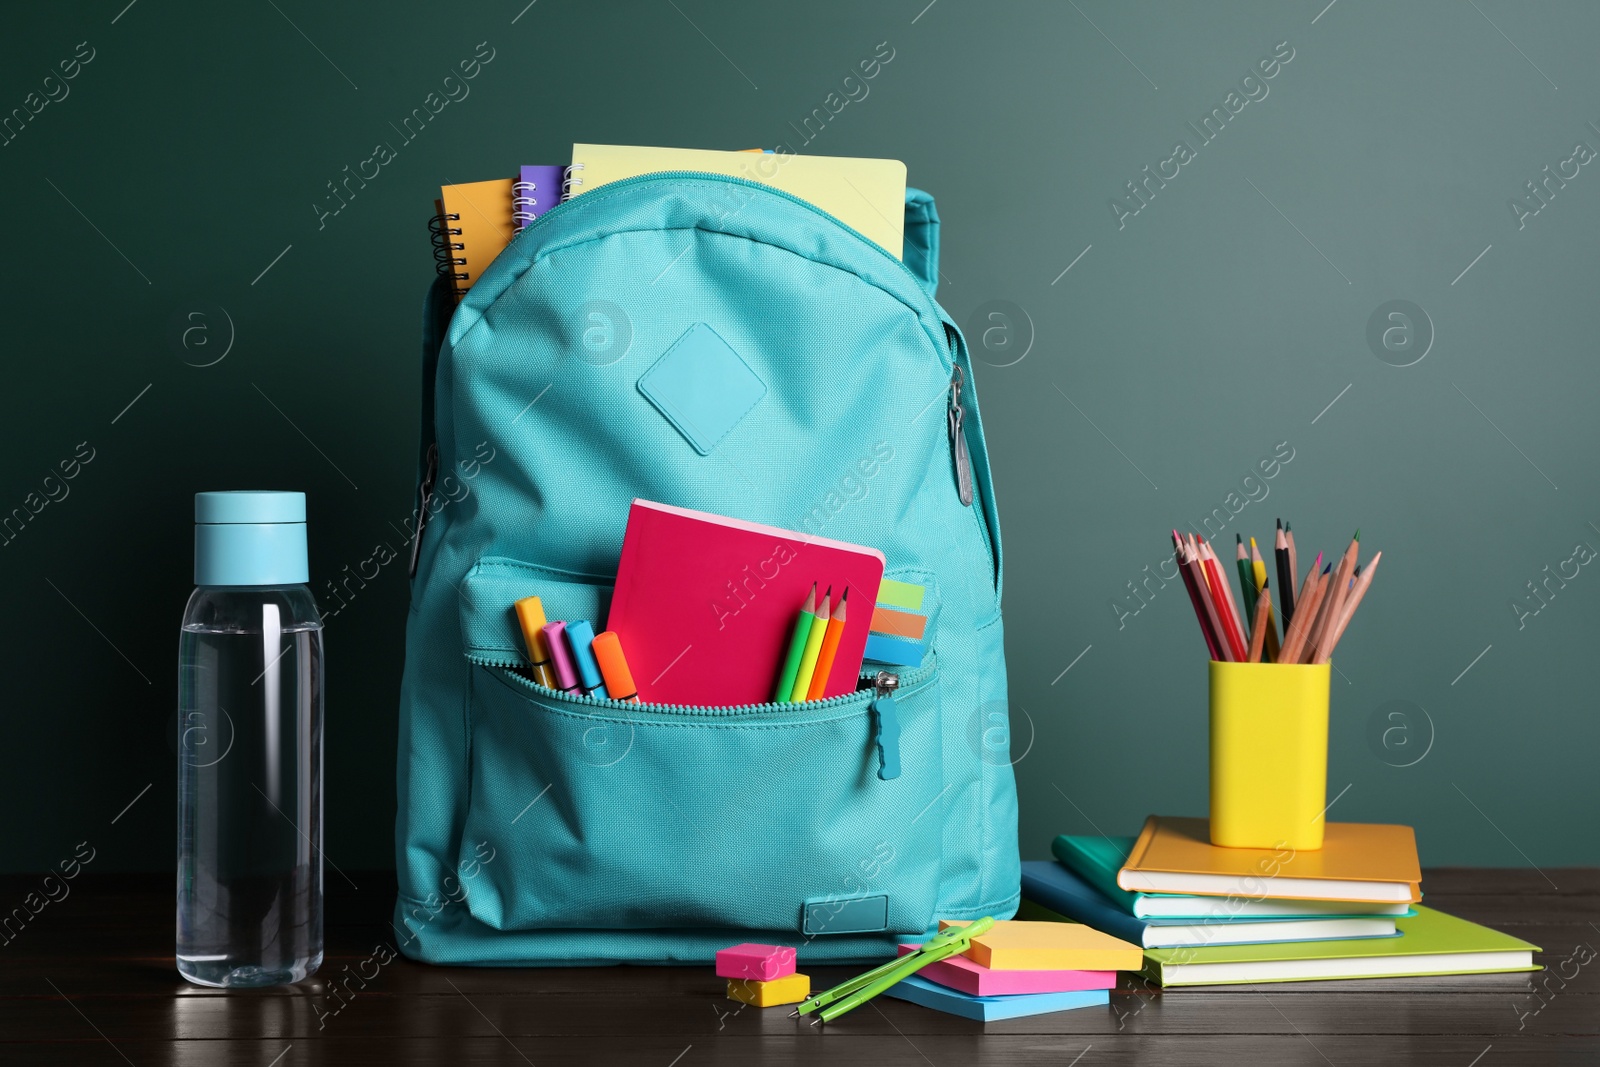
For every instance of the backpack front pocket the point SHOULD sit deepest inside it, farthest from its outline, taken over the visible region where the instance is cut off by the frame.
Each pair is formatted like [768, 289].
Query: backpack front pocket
[776, 817]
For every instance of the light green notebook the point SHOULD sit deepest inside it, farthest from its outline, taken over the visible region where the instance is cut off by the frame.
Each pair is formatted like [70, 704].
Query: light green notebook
[1432, 943]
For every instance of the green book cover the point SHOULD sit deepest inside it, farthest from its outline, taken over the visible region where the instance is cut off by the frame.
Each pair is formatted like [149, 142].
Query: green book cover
[1097, 860]
[1432, 943]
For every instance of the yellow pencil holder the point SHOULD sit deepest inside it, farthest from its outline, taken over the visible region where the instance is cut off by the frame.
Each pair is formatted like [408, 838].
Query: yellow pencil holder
[1269, 754]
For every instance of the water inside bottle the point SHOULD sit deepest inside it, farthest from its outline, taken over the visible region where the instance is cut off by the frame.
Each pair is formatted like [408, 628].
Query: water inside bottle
[249, 805]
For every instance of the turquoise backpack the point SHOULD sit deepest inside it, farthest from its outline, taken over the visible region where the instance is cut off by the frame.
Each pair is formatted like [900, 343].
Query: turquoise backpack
[543, 828]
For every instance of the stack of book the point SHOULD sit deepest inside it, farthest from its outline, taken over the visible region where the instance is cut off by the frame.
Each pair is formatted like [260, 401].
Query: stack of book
[1021, 968]
[1206, 915]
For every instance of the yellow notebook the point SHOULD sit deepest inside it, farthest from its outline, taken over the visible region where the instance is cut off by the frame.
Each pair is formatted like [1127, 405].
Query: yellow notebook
[1012, 945]
[1372, 862]
[479, 226]
[868, 195]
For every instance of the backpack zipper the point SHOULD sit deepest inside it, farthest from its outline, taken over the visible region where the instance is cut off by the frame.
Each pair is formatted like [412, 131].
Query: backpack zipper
[958, 441]
[886, 734]
[424, 494]
[912, 680]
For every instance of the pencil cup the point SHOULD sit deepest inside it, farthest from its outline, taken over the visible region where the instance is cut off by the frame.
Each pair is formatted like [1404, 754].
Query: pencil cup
[1269, 754]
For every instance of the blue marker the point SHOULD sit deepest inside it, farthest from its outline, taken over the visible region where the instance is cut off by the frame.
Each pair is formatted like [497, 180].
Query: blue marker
[580, 635]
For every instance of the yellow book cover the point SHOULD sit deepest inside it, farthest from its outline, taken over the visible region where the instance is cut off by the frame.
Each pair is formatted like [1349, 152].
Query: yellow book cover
[868, 195]
[1357, 861]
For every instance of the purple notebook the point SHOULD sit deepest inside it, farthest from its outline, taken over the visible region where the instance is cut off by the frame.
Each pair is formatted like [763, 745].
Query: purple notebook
[536, 190]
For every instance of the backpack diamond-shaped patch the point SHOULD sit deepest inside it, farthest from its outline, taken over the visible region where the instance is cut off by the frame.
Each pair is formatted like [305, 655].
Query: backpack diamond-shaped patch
[703, 387]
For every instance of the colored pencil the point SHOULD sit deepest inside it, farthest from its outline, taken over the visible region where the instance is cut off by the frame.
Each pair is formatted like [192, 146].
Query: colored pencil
[1294, 640]
[1324, 654]
[1258, 569]
[1280, 554]
[830, 648]
[1203, 589]
[1247, 581]
[797, 648]
[1261, 626]
[1294, 558]
[1222, 596]
[1333, 606]
[1180, 551]
[813, 649]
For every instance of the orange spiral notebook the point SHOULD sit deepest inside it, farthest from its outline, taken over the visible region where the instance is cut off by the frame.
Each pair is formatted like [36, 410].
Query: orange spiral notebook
[705, 605]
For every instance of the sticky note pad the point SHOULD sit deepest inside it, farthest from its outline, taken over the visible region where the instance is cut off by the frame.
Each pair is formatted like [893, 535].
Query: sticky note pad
[987, 1009]
[900, 595]
[790, 989]
[760, 962]
[895, 650]
[898, 623]
[960, 973]
[1043, 946]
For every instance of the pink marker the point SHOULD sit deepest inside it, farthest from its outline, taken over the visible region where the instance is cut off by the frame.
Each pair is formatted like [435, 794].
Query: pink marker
[561, 656]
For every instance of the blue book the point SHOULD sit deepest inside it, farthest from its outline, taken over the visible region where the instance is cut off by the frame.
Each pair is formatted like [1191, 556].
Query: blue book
[988, 1009]
[1055, 887]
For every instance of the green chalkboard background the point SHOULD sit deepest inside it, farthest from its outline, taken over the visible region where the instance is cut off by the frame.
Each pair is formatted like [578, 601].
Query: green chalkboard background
[1135, 367]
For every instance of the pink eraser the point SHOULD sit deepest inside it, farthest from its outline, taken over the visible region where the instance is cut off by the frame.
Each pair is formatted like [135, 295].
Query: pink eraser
[760, 962]
[958, 972]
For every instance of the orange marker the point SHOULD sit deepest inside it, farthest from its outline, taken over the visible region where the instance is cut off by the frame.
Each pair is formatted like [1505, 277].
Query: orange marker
[830, 647]
[607, 649]
[530, 614]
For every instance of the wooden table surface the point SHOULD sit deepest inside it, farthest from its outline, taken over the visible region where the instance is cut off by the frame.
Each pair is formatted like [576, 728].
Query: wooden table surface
[90, 980]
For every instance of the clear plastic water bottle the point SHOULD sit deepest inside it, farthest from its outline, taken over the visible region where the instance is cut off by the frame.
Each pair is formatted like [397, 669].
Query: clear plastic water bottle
[250, 747]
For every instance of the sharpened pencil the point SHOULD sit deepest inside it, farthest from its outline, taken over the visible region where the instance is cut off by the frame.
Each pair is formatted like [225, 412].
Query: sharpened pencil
[1323, 655]
[1260, 627]
[1247, 579]
[1294, 640]
[1180, 551]
[1280, 555]
[1258, 570]
[1213, 618]
[1222, 596]
[1333, 605]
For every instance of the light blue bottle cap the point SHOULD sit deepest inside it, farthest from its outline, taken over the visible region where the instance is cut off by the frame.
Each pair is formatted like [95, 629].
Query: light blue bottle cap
[250, 537]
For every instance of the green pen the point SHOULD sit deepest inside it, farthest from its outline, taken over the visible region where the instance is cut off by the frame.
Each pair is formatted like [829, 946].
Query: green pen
[855, 992]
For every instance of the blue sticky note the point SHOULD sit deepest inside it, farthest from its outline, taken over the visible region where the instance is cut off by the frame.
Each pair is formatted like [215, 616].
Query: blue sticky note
[881, 648]
[703, 387]
[987, 1009]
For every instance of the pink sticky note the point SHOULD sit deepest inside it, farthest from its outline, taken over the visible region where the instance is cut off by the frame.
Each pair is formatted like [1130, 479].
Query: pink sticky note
[958, 972]
[760, 962]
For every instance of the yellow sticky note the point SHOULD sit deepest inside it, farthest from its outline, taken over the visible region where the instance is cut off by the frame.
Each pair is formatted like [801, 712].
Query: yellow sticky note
[1014, 945]
[790, 989]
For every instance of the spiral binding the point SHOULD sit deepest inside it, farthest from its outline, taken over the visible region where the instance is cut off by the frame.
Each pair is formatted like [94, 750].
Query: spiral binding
[571, 181]
[444, 258]
[522, 205]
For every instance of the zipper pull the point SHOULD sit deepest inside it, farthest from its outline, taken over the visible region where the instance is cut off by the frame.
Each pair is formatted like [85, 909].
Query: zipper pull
[424, 494]
[887, 723]
[958, 441]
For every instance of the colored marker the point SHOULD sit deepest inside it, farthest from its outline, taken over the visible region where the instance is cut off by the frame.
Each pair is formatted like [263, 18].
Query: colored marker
[530, 614]
[607, 648]
[813, 649]
[830, 648]
[580, 635]
[560, 658]
[797, 648]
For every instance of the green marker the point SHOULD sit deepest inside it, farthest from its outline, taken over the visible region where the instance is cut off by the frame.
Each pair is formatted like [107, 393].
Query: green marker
[797, 648]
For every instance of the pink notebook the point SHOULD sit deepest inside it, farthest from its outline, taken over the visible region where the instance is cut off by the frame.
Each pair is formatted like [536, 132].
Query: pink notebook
[705, 605]
[959, 973]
